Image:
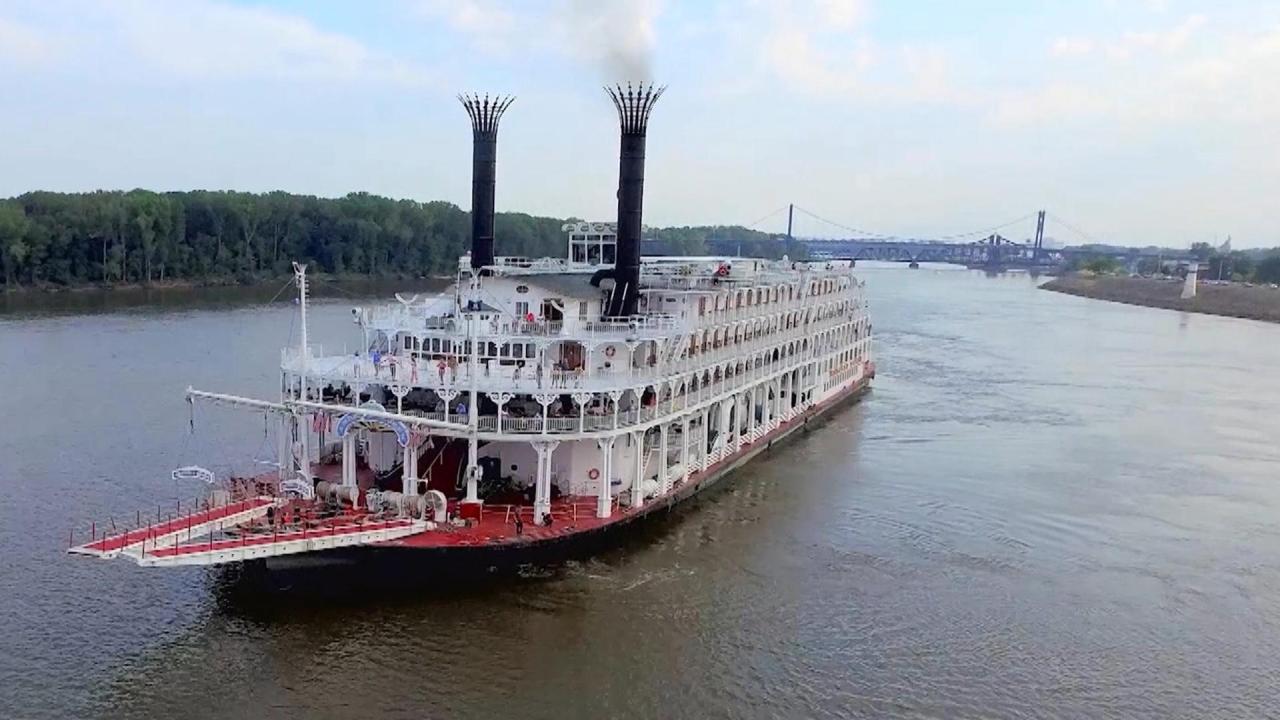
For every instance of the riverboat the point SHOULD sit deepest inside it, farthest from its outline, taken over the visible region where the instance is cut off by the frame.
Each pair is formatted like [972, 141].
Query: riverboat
[536, 405]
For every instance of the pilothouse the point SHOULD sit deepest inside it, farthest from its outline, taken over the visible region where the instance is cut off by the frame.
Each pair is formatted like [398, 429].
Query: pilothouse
[536, 403]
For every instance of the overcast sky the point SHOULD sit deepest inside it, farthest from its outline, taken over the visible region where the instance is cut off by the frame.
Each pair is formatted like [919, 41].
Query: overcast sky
[1135, 121]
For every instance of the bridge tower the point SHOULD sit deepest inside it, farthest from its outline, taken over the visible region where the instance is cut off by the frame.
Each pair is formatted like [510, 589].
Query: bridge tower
[1035, 253]
[994, 245]
[791, 213]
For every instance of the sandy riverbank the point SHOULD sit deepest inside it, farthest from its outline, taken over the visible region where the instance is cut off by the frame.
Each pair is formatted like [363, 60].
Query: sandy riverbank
[1235, 300]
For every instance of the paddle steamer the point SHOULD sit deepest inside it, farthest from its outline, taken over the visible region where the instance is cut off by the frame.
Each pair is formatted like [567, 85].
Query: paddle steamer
[535, 405]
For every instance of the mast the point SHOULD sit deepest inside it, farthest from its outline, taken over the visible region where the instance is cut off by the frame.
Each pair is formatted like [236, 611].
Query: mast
[304, 459]
[473, 415]
[300, 276]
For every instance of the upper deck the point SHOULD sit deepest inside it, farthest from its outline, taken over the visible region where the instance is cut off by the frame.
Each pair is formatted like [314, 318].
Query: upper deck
[523, 335]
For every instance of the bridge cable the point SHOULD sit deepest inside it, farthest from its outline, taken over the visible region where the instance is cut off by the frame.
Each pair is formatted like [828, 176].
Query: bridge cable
[842, 226]
[899, 237]
[1080, 233]
[766, 217]
[985, 231]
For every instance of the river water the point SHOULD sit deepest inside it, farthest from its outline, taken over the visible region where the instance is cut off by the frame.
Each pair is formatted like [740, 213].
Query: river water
[1048, 507]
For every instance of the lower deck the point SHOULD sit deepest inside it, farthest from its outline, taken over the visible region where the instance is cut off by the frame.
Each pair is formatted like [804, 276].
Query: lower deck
[254, 521]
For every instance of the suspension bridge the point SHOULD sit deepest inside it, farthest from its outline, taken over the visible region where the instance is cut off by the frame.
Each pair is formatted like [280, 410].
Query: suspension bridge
[989, 247]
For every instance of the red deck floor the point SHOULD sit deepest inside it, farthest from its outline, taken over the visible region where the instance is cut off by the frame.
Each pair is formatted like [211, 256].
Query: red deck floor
[119, 541]
[256, 539]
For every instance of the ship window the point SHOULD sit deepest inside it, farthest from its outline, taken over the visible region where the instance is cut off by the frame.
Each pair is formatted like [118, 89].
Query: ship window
[582, 310]
[522, 309]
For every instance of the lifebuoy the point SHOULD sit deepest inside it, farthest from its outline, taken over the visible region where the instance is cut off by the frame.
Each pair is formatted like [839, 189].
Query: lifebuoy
[609, 351]
[594, 474]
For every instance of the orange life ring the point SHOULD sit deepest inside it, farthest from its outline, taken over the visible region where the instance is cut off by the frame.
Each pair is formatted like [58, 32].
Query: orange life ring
[593, 473]
[609, 351]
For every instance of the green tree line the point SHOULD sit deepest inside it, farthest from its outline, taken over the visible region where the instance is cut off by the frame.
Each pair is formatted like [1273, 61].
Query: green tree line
[113, 237]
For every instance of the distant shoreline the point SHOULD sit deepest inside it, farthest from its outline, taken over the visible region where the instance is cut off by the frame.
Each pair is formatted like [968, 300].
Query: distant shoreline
[1235, 300]
[193, 294]
[216, 282]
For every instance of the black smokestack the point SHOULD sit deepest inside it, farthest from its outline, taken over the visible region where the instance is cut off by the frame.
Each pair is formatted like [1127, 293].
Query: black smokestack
[634, 106]
[485, 114]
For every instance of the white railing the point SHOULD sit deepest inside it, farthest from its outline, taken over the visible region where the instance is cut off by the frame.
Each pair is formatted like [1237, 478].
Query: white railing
[498, 379]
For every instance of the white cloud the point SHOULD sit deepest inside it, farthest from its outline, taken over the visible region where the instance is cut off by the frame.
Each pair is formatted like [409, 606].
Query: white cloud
[1168, 42]
[1054, 102]
[488, 23]
[206, 39]
[799, 60]
[823, 48]
[22, 44]
[1228, 76]
[616, 37]
[842, 14]
[1071, 47]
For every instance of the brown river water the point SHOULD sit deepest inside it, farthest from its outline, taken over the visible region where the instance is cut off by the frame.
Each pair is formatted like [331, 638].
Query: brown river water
[1048, 506]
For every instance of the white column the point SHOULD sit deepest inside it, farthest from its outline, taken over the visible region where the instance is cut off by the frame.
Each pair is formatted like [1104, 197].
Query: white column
[406, 483]
[284, 453]
[664, 478]
[582, 398]
[545, 399]
[473, 419]
[737, 421]
[604, 501]
[541, 503]
[685, 467]
[703, 450]
[302, 424]
[637, 481]
[726, 429]
[615, 396]
[349, 458]
[413, 462]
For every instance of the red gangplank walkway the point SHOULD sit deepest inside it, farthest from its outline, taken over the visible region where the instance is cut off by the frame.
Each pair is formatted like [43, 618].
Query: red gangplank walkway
[110, 544]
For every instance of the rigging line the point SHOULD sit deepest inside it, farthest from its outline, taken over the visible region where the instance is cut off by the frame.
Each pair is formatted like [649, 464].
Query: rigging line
[284, 287]
[333, 286]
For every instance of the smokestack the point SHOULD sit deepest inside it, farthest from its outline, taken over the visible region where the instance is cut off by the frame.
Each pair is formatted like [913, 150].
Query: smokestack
[485, 114]
[634, 106]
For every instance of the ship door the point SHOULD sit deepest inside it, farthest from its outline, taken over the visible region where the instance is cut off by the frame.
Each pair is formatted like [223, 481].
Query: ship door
[571, 356]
